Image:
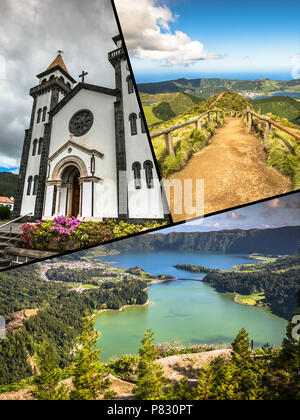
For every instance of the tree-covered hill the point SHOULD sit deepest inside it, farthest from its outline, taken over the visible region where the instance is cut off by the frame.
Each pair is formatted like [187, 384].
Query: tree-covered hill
[283, 106]
[279, 241]
[163, 107]
[8, 184]
[207, 87]
[229, 101]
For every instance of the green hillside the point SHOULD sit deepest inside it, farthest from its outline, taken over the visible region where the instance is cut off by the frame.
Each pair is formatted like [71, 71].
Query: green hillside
[8, 184]
[283, 106]
[229, 101]
[163, 107]
[208, 87]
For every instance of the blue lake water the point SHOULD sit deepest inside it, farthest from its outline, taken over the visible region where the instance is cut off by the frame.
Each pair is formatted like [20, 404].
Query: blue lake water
[188, 311]
[291, 94]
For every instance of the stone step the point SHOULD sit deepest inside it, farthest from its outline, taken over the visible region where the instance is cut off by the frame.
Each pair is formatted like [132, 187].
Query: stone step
[22, 255]
[4, 263]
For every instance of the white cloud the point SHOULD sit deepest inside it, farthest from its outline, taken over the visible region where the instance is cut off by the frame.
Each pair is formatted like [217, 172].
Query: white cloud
[146, 28]
[8, 162]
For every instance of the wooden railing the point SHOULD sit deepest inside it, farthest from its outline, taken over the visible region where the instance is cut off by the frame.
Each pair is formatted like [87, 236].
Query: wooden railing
[268, 123]
[167, 131]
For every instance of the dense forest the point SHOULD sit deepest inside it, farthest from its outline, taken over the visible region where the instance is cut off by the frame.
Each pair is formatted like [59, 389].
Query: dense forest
[278, 283]
[279, 241]
[8, 184]
[59, 315]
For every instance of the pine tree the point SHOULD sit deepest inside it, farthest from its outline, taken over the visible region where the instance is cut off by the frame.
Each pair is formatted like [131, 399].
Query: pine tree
[151, 382]
[241, 347]
[89, 373]
[48, 375]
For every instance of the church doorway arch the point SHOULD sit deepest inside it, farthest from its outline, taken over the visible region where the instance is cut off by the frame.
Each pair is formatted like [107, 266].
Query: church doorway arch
[71, 180]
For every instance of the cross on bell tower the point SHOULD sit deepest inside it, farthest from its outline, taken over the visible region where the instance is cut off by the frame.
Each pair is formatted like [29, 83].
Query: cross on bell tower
[82, 75]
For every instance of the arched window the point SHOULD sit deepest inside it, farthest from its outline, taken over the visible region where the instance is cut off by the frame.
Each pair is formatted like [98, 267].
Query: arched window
[44, 81]
[34, 147]
[51, 77]
[69, 84]
[136, 167]
[44, 113]
[133, 126]
[142, 124]
[130, 84]
[29, 182]
[35, 185]
[148, 166]
[62, 79]
[39, 115]
[40, 148]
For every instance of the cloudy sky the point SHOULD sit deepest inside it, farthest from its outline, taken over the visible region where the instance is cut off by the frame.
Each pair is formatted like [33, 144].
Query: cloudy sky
[274, 213]
[31, 32]
[257, 38]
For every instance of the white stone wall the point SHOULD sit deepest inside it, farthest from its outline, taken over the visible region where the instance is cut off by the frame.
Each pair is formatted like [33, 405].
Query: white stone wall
[146, 202]
[100, 137]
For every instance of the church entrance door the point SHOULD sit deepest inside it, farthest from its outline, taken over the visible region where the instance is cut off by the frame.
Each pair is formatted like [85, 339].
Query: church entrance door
[75, 195]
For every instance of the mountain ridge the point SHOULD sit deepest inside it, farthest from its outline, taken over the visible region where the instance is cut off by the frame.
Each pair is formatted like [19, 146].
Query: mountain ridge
[277, 241]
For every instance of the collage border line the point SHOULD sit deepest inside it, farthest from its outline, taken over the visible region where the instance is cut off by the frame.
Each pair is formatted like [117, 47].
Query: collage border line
[163, 195]
[133, 235]
[171, 222]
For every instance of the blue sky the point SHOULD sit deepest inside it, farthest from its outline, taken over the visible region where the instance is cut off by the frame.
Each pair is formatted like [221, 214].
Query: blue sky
[274, 213]
[257, 38]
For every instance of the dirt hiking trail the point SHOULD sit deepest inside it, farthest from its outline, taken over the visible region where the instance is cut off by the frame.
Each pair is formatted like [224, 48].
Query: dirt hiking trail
[235, 171]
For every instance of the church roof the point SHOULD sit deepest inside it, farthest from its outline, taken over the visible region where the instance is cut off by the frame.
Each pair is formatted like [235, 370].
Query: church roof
[78, 88]
[58, 62]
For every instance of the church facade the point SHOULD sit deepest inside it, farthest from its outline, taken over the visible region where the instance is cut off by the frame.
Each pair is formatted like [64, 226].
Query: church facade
[86, 153]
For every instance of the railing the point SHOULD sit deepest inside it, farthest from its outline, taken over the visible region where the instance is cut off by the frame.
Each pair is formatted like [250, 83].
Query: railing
[115, 53]
[167, 131]
[268, 124]
[9, 233]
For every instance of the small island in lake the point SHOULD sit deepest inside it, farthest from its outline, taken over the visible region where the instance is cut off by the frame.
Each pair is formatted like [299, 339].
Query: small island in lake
[196, 268]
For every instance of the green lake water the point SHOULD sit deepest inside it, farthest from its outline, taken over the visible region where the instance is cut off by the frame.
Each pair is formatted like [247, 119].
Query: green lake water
[184, 310]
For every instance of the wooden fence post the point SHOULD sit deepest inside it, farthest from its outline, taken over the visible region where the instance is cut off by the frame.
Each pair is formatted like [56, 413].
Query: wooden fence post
[169, 144]
[250, 123]
[198, 124]
[266, 130]
[208, 116]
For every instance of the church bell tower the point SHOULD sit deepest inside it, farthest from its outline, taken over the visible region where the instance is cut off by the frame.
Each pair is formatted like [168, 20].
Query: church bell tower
[54, 84]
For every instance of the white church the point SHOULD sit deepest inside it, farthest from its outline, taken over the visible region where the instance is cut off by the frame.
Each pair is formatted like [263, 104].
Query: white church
[86, 153]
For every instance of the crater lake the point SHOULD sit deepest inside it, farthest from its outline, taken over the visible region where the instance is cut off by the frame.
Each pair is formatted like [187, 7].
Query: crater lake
[183, 310]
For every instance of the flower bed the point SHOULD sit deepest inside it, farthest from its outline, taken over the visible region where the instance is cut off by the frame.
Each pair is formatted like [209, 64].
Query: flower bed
[65, 234]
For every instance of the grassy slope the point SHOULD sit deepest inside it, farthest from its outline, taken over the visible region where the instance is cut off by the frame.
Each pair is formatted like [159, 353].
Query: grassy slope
[283, 106]
[166, 105]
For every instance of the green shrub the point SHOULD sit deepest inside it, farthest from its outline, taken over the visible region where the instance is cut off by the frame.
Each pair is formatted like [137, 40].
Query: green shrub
[211, 127]
[124, 367]
[282, 160]
[5, 213]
